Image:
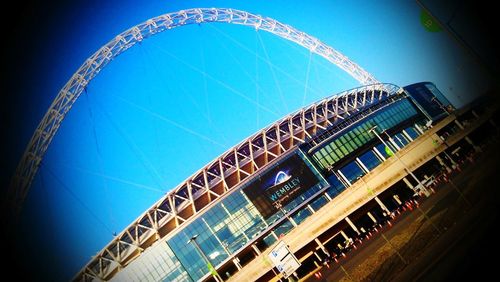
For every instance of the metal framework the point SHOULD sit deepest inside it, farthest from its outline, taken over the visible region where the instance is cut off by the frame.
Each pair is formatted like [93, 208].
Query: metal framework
[224, 174]
[68, 95]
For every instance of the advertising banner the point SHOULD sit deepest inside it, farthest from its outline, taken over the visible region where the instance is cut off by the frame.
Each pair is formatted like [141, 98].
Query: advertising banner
[280, 185]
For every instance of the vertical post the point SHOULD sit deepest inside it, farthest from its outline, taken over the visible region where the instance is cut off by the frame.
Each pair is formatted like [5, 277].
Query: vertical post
[321, 246]
[370, 215]
[443, 163]
[285, 213]
[362, 165]
[396, 198]
[344, 178]
[352, 225]
[382, 206]
[212, 269]
[420, 185]
[378, 154]
[419, 129]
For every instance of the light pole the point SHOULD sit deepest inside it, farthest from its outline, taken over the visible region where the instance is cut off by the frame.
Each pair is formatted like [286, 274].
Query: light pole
[420, 185]
[205, 258]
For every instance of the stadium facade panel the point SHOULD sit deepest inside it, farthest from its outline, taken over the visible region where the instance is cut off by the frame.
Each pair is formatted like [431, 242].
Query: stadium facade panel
[243, 202]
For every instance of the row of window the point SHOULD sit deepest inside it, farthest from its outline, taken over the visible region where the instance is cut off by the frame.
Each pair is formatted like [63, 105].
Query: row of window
[156, 263]
[348, 142]
[230, 224]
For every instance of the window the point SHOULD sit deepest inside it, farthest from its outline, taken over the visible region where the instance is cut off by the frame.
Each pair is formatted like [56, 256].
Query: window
[352, 171]
[370, 160]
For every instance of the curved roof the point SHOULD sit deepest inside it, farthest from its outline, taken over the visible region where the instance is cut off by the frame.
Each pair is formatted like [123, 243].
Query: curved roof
[62, 104]
[199, 191]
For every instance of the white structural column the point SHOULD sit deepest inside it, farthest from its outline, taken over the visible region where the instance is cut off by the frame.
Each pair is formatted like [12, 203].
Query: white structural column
[407, 135]
[382, 205]
[419, 129]
[362, 165]
[353, 226]
[344, 178]
[370, 215]
[257, 251]
[344, 235]
[396, 198]
[322, 247]
[443, 163]
[378, 154]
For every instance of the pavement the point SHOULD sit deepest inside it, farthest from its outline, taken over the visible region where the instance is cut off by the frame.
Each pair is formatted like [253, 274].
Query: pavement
[460, 248]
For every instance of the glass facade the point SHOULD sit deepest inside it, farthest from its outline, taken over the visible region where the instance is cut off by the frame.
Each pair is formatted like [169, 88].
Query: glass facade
[370, 160]
[429, 98]
[155, 264]
[352, 171]
[359, 135]
[231, 224]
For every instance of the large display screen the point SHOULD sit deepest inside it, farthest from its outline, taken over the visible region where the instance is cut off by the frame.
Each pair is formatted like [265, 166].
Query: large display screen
[280, 185]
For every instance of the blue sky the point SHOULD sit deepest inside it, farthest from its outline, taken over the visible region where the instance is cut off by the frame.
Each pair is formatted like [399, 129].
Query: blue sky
[171, 104]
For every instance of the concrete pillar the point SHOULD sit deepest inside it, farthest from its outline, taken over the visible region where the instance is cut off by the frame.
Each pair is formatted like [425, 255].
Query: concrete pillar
[321, 246]
[475, 114]
[362, 165]
[378, 154]
[310, 208]
[396, 197]
[292, 221]
[236, 262]
[443, 163]
[344, 235]
[476, 148]
[408, 183]
[317, 256]
[382, 205]
[399, 139]
[394, 144]
[352, 225]
[493, 123]
[328, 197]
[256, 250]
[274, 235]
[453, 162]
[316, 262]
[459, 124]
[370, 215]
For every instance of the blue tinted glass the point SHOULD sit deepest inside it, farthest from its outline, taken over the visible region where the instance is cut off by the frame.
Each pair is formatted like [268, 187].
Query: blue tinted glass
[283, 229]
[381, 148]
[400, 139]
[412, 132]
[301, 215]
[319, 202]
[352, 171]
[370, 160]
[269, 240]
[335, 186]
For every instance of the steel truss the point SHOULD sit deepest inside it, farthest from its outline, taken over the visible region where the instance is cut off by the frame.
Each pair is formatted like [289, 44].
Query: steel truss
[215, 179]
[68, 95]
[225, 173]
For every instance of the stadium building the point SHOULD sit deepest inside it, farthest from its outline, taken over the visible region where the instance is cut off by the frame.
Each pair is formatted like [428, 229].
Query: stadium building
[312, 180]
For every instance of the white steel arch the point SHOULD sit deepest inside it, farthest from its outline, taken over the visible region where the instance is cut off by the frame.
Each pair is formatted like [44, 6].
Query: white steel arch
[46, 130]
